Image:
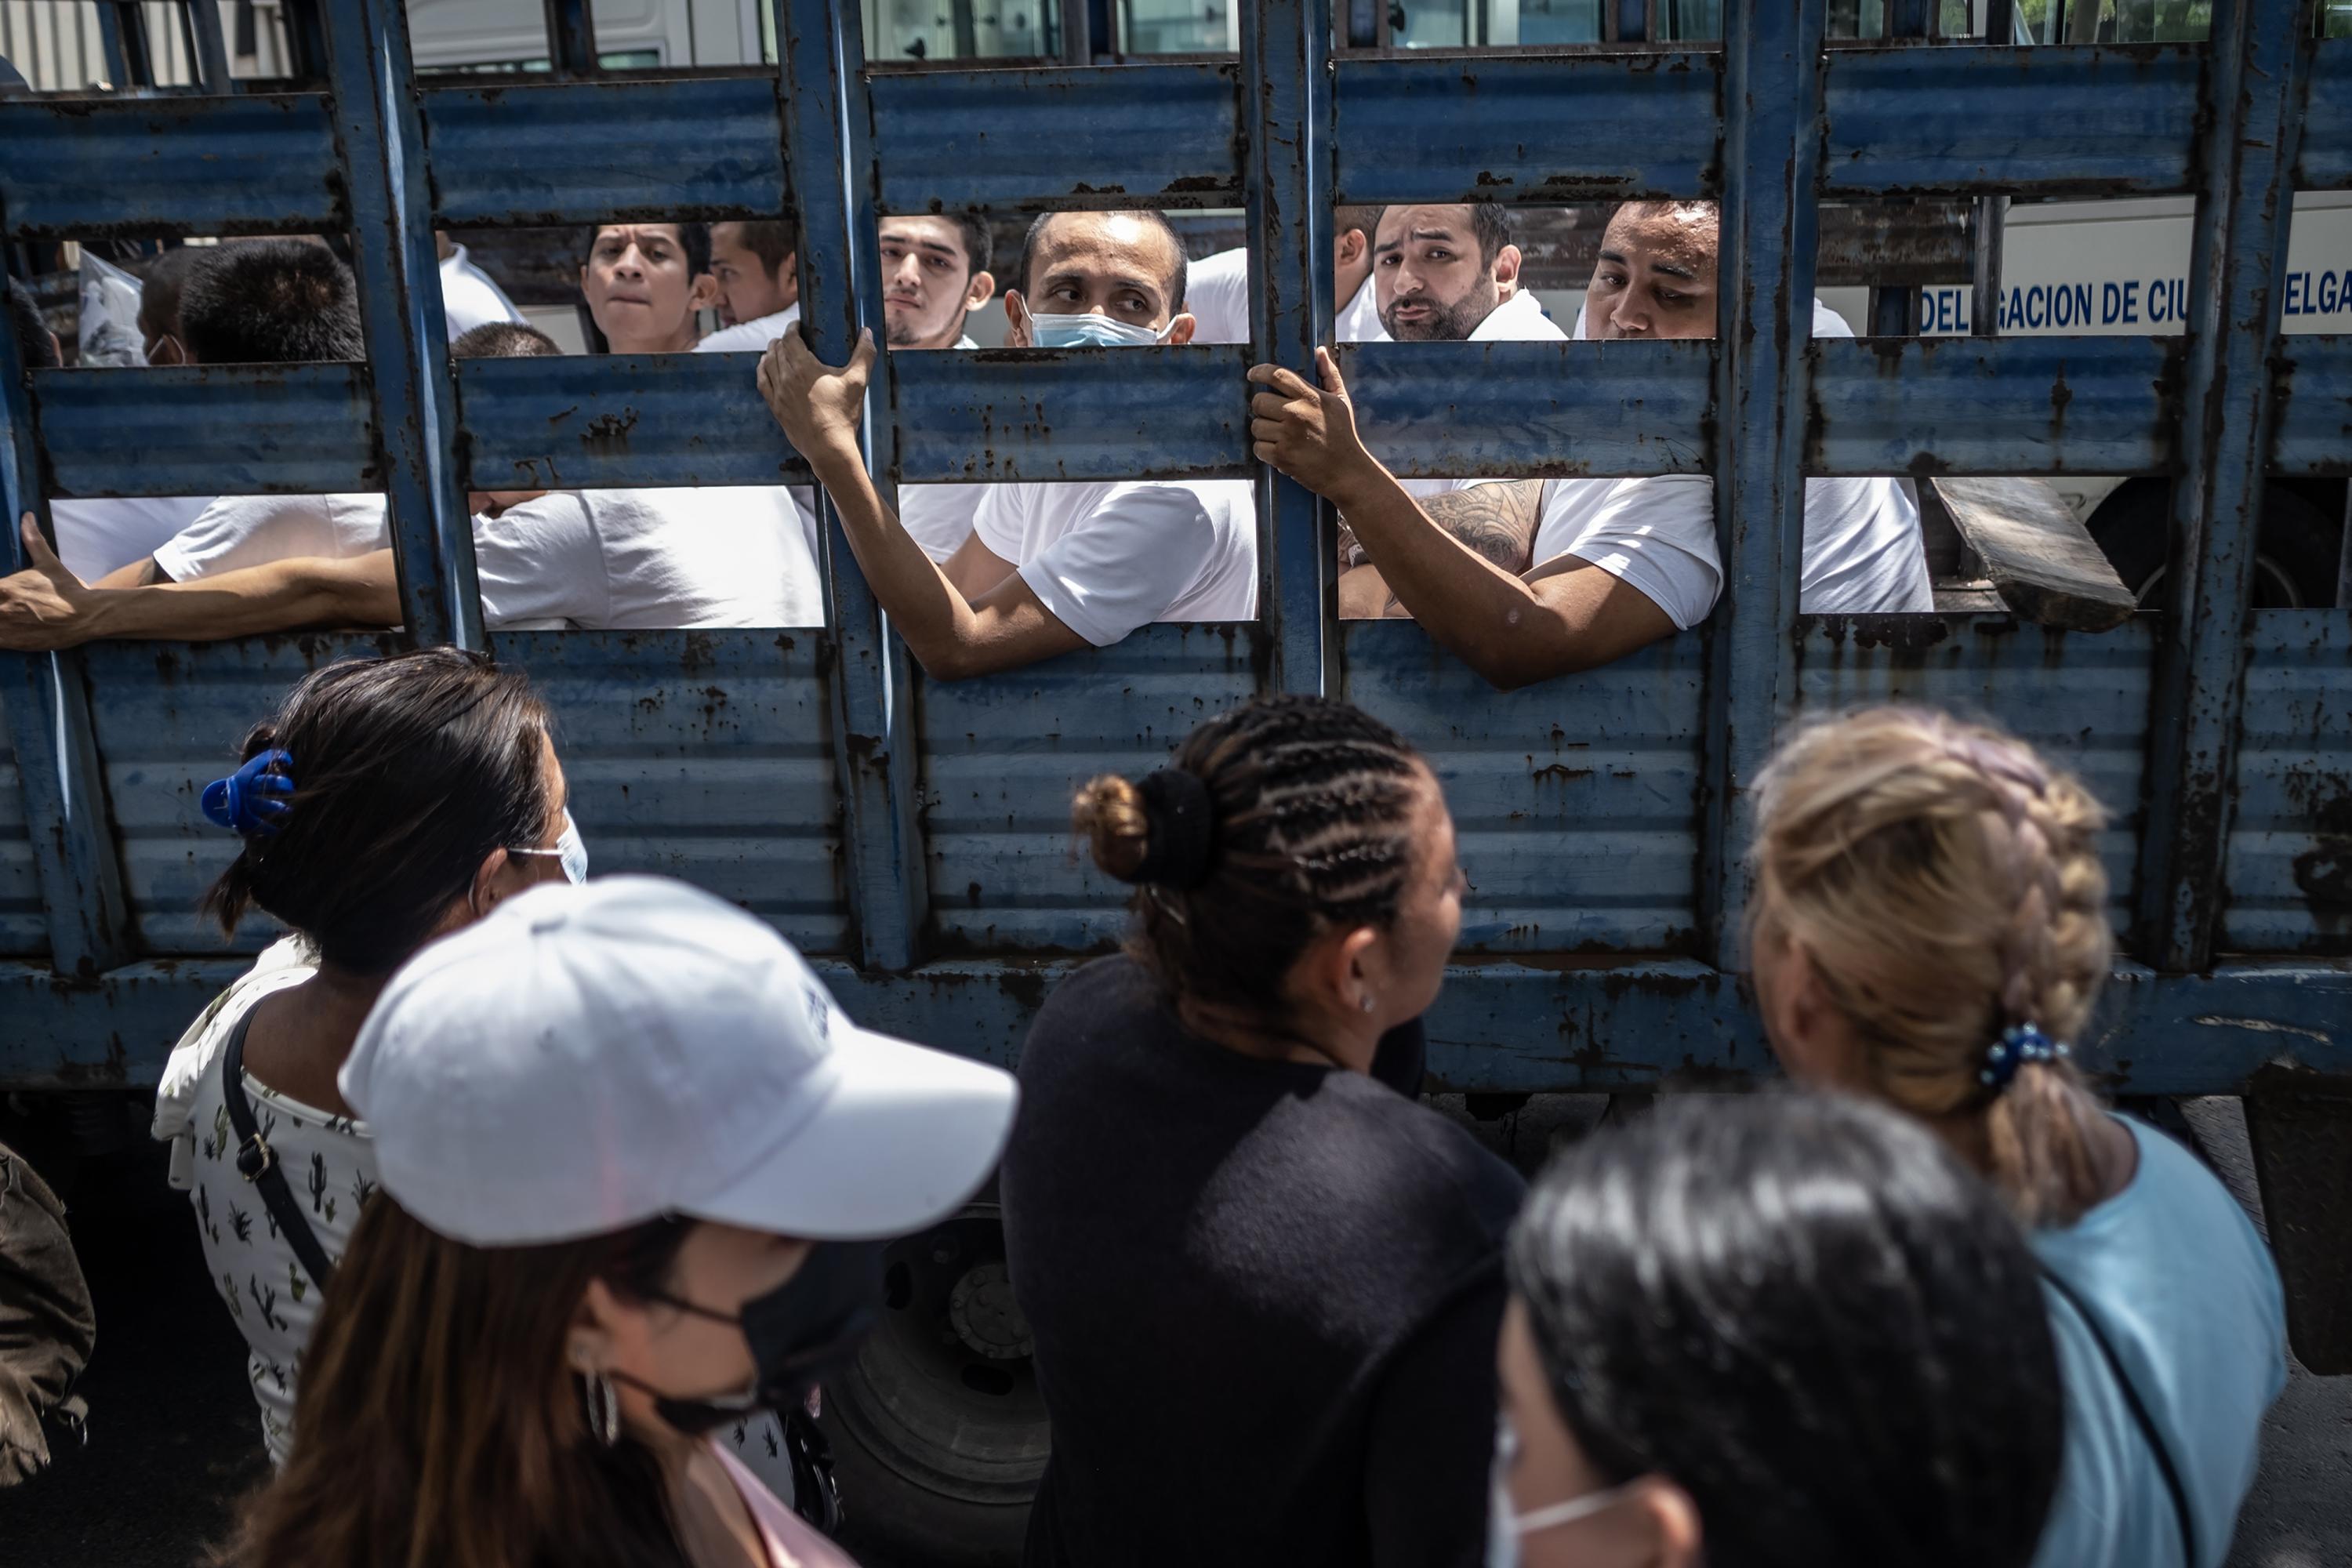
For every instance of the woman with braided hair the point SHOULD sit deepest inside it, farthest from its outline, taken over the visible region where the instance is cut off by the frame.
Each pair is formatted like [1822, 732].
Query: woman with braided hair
[1264, 1280]
[1929, 927]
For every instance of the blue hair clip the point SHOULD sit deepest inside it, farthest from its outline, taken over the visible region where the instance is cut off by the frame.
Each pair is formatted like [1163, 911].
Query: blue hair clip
[2018, 1044]
[247, 801]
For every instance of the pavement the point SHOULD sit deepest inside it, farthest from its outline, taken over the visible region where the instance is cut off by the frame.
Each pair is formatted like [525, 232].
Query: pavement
[175, 1439]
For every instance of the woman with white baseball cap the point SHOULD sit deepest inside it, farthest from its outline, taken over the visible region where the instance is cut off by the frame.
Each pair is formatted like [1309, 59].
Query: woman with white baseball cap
[637, 1169]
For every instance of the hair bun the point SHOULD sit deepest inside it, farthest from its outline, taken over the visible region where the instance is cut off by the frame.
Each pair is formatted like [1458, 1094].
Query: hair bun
[1183, 821]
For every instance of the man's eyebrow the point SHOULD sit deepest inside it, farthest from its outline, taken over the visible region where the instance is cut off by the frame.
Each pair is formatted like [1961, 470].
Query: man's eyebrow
[1616, 256]
[1674, 269]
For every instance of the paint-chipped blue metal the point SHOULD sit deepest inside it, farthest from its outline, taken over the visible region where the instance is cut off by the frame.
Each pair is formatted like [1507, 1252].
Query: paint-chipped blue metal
[828, 145]
[2236, 276]
[1483, 410]
[212, 49]
[1071, 413]
[2323, 152]
[1002, 759]
[200, 430]
[1287, 81]
[1907, 120]
[46, 700]
[24, 922]
[2290, 867]
[1575, 803]
[598, 422]
[380, 143]
[1566, 127]
[90, 167]
[1162, 135]
[2002, 406]
[2311, 427]
[1771, 98]
[1498, 1026]
[567, 153]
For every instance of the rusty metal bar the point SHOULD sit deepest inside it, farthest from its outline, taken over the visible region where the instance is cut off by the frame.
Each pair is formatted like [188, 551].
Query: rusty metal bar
[48, 704]
[570, 37]
[379, 137]
[1286, 83]
[829, 158]
[1984, 282]
[2236, 279]
[1772, 105]
[209, 50]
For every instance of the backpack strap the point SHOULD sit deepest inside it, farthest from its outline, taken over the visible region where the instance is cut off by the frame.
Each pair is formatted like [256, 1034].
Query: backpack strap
[257, 1162]
[2139, 1413]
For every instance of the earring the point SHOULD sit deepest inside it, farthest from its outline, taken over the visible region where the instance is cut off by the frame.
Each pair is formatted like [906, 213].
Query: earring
[1365, 1002]
[603, 1407]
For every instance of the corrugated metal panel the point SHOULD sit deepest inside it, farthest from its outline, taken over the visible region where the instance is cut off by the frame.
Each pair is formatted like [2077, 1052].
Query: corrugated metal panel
[2313, 431]
[1909, 119]
[644, 420]
[255, 163]
[1166, 133]
[169, 719]
[195, 430]
[2290, 866]
[706, 755]
[23, 929]
[1530, 130]
[2325, 162]
[1574, 802]
[2083, 698]
[1073, 414]
[1002, 758]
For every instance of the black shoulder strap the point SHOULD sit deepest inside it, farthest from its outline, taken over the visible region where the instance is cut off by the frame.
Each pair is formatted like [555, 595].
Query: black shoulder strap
[2140, 1414]
[257, 1162]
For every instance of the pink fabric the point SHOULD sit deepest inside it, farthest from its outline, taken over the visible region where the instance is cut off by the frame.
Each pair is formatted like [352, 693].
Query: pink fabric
[791, 1541]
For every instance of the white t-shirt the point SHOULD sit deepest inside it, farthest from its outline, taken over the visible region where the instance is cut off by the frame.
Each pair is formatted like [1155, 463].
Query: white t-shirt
[939, 516]
[1517, 319]
[96, 536]
[752, 336]
[469, 299]
[1108, 558]
[1216, 292]
[718, 556]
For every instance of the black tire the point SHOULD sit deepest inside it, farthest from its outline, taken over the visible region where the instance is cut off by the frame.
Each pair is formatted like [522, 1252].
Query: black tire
[938, 1433]
[2294, 560]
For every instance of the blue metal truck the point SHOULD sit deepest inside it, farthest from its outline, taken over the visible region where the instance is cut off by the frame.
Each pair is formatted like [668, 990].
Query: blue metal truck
[912, 834]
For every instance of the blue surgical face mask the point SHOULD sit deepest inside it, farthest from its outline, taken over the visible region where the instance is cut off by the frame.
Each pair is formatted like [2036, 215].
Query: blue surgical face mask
[569, 852]
[1090, 331]
[1505, 1528]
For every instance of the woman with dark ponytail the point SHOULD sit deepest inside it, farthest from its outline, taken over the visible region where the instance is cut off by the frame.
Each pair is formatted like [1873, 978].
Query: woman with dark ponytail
[386, 802]
[1264, 1280]
[1929, 928]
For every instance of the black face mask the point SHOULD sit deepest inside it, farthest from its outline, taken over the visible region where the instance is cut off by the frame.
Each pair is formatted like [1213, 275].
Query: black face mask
[808, 1326]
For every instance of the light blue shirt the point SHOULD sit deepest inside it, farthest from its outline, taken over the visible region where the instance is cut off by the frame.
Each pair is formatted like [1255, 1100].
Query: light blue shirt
[2189, 1299]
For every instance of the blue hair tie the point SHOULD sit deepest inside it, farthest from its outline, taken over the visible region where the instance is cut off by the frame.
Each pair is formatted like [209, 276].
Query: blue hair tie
[248, 801]
[2018, 1044]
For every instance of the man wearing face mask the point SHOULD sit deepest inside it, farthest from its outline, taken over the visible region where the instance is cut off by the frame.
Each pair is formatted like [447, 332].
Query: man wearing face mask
[1048, 568]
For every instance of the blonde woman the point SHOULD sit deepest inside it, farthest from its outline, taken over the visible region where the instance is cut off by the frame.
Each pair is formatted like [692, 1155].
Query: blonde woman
[1929, 929]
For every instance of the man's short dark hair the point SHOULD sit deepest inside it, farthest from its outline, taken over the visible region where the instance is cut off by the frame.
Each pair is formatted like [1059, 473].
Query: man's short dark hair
[1149, 216]
[1490, 224]
[694, 238]
[979, 241]
[503, 340]
[774, 240]
[1359, 217]
[38, 344]
[270, 302]
[161, 283]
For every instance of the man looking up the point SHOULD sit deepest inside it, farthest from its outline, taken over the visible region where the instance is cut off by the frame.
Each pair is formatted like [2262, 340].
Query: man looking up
[1048, 568]
[757, 265]
[1217, 288]
[1527, 579]
[643, 283]
[934, 274]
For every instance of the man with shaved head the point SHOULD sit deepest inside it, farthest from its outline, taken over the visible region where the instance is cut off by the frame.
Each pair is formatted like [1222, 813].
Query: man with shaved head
[1049, 568]
[1528, 578]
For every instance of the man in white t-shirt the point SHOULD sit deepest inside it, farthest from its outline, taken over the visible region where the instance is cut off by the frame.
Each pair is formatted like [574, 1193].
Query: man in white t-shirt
[469, 297]
[1529, 579]
[1048, 568]
[1217, 288]
[757, 263]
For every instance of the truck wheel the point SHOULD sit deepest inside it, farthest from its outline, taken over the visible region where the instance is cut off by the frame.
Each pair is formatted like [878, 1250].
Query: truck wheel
[938, 1433]
[2294, 558]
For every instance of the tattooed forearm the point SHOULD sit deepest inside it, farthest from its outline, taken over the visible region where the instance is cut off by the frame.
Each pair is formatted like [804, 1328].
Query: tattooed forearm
[1498, 520]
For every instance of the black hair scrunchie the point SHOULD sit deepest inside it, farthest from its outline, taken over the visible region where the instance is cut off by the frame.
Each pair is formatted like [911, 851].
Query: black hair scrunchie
[1182, 831]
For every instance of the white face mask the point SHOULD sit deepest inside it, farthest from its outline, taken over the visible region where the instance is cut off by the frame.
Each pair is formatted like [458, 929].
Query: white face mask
[1090, 331]
[570, 851]
[1505, 1528]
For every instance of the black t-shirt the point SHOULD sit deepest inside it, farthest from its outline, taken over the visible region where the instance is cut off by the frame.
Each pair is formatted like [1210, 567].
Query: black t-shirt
[1265, 1294]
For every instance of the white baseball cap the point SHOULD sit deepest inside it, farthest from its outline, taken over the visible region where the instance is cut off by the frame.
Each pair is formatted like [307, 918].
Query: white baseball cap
[588, 1058]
